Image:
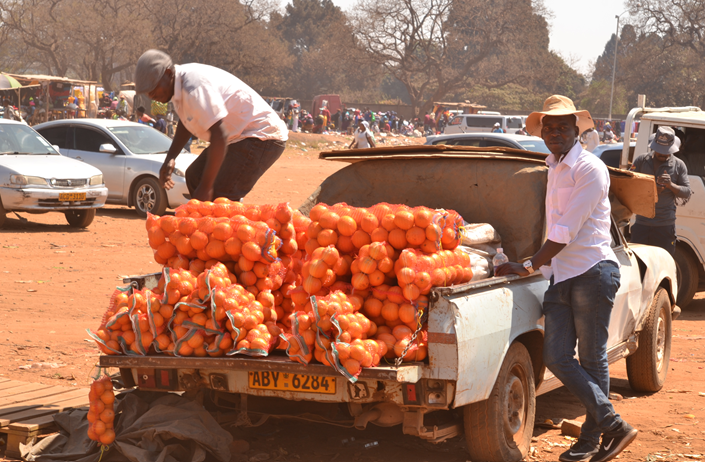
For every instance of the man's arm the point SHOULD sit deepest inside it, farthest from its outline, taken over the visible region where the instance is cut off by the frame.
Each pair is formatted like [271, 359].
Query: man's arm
[547, 251]
[216, 154]
[680, 185]
[181, 136]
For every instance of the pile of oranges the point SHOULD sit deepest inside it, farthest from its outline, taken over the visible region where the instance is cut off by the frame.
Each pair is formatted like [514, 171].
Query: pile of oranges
[346, 286]
[100, 413]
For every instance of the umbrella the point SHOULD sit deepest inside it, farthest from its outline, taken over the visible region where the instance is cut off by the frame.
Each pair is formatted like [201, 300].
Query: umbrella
[8, 83]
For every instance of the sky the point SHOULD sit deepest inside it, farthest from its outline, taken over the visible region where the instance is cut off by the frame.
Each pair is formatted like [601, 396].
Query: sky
[579, 31]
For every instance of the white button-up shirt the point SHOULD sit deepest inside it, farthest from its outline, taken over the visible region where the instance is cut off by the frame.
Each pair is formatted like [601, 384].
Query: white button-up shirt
[578, 212]
[204, 94]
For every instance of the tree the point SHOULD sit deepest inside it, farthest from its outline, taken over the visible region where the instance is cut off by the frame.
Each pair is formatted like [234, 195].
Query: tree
[437, 47]
[679, 22]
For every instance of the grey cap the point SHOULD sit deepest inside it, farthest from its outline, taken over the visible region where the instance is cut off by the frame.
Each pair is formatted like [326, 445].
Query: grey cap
[665, 141]
[150, 69]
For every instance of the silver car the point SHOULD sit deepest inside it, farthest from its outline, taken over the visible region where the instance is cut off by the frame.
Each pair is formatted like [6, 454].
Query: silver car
[129, 155]
[35, 178]
[488, 140]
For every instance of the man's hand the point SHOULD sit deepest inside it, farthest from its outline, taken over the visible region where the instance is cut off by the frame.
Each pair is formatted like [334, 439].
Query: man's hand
[203, 194]
[664, 181]
[165, 173]
[511, 268]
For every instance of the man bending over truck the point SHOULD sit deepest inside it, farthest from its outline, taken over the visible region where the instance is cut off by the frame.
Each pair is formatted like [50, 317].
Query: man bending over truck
[584, 274]
[246, 135]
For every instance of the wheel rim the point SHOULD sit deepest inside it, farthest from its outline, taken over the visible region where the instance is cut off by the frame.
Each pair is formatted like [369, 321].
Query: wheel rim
[516, 392]
[146, 198]
[660, 341]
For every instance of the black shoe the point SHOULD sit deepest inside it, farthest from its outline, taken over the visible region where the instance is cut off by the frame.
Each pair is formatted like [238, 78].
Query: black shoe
[615, 442]
[579, 452]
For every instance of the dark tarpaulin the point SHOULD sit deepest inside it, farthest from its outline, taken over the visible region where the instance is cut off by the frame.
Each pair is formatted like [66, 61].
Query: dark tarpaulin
[149, 427]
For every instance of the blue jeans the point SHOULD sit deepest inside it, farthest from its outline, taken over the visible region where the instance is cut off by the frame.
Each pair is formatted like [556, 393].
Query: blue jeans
[578, 310]
[244, 163]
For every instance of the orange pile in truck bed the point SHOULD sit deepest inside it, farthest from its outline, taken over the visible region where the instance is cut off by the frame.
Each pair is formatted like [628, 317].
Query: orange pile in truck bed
[345, 287]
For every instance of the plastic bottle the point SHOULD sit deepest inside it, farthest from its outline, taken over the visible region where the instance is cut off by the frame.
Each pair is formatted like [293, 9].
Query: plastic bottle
[499, 259]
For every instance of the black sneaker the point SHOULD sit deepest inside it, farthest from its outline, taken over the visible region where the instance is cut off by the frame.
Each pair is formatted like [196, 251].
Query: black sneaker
[579, 452]
[615, 442]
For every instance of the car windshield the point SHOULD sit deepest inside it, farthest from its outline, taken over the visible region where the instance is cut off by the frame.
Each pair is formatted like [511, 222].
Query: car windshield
[142, 139]
[535, 145]
[22, 140]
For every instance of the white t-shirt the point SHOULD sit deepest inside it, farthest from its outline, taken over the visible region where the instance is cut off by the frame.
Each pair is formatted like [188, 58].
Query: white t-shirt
[204, 94]
[361, 138]
[592, 140]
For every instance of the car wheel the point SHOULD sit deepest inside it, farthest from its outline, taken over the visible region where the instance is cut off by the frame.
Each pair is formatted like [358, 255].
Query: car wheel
[687, 274]
[2, 214]
[500, 428]
[648, 366]
[80, 218]
[149, 197]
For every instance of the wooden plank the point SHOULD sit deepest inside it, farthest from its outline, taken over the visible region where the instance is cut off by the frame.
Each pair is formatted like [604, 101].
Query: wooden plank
[3, 380]
[71, 402]
[27, 387]
[46, 393]
[10, 384]
[33, 424]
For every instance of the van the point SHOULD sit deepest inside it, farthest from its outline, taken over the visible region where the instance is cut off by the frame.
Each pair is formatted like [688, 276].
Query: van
[473, 123]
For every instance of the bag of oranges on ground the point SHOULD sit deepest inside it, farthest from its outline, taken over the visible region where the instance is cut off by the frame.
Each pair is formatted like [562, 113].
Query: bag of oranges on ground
[101, 413]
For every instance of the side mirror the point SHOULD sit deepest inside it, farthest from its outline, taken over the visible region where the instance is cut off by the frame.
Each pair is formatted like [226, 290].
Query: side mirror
[107, 148]
[56, 148]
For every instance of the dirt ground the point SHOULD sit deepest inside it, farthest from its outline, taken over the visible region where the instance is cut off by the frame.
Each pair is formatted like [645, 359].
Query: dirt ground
[55, 283]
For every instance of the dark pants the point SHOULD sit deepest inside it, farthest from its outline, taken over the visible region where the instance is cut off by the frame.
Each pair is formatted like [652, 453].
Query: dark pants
[659, 236]
[578, 310]
[244, 163]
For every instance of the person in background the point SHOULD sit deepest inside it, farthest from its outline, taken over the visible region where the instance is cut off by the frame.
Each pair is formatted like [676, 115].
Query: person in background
[326, 118]
[362, 138]
[143, 118]
[673, 188]
[160, 124]
[123, 108]
[591, 139]
[522, 131]
[608, 134]
[584, 275]
[295, 116]
[114, 104]
[497, 128]
[246, 135]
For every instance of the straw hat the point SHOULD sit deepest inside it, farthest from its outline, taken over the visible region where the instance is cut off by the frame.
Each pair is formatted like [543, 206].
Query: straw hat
[557, 105]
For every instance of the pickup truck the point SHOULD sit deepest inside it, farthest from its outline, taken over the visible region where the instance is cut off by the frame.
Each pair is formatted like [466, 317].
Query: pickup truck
[690, 228]
[485, 338]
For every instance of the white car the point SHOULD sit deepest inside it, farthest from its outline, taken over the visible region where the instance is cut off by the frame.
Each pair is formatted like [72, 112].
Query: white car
[35, 178]
[129, 155]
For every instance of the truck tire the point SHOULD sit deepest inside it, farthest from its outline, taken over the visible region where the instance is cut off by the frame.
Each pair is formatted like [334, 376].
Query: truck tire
[80, 218]
[499, 429]
[687, 273]
[648, 366]
[149, 196]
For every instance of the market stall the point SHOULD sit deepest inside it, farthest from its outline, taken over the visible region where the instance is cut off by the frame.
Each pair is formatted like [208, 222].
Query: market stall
[60, 97]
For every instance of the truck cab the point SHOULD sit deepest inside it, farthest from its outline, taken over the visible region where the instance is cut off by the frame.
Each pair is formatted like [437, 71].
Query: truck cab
[690, 226]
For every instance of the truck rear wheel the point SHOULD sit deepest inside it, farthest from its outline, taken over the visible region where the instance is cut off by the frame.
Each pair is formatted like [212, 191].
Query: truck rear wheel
[648, 366]
[687, 273]
[499, 429]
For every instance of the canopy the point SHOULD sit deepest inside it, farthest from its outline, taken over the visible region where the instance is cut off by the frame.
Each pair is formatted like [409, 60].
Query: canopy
[8, 83]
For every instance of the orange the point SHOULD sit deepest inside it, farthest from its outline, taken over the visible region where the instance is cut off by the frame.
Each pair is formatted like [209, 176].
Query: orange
[367, 265]
[205, 208]
[248, 278]
[156, 236]
[317, 268]
[376, 278]
[448, 237]
[342, 266]
[415, 236]
[312, 285]
[411, 292]
[406, 276]
[233, 246]
[388, 222]
[379, 235]
[107, 416]
[317, 211]
[423, 217]
[347, 226]
[385, 265]
[352, 366]
[360, 281]
[407, 313]
[251, 251]
[187, 226]
[183, 245]
[360, 238]
[390, 311]
[221, 209]
[168, 224]
[166, 250]
[345, 244]
[401, 332]
[314, 228]
[423, 280]
[245, 233]
[330, 255]
[404, 220]
[216, 249]
[99, 427]
[329, 220]
[434, 233]
[369, 223]
[429, 246]
[397, 238]
[327, 237]
[222, 231]
[377, 250]
[394, 294]
[311, 246]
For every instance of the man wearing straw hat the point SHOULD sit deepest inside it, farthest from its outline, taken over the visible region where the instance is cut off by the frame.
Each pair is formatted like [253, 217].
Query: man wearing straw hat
[584, 274]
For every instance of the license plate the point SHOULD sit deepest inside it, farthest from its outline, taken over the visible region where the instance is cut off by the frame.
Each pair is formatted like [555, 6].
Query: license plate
[69, 197]
[284, 381]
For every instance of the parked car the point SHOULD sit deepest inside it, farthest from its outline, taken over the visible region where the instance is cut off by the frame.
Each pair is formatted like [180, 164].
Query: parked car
[611, 153]
[487, 140]
[35, 178]
[129, 155]
[474, 123]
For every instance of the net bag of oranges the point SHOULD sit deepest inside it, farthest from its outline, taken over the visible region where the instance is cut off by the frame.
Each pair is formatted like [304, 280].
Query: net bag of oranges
[101, 413]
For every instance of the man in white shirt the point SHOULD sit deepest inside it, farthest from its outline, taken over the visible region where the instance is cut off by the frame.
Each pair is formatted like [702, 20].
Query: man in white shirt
[246, 136]
[591, 139]
[585, 277]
